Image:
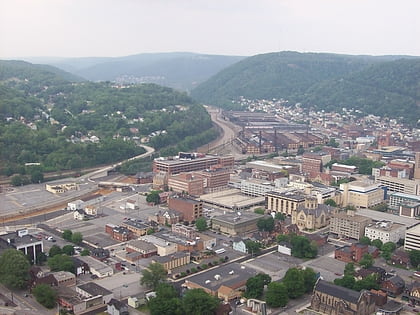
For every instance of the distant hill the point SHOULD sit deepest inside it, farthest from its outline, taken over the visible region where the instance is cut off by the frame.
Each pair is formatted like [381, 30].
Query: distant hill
[181, 70]
[23, 70]
[385, 85]
[47, 118]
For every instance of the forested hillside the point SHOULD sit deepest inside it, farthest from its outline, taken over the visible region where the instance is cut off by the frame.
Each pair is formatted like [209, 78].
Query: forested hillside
[179, 70]
[70, 125]
[378, 85]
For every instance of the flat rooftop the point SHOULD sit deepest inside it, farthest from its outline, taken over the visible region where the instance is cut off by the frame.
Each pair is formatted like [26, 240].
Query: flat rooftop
[356, 217]
[231, 198]
[228, 275]
[94, 289]
[415, 229]
[235, 218]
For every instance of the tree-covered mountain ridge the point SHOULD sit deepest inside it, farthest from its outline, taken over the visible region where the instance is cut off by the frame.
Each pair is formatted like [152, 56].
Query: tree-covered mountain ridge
[380, 85]
[62, 124]
[179, 70]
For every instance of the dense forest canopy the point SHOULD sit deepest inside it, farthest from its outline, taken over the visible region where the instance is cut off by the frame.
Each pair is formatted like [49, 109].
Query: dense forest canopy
[386, 86]
[70, 125]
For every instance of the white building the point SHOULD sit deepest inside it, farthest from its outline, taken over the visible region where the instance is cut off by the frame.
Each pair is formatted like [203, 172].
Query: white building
[79, 215]
[254, 187]
[386, 231]
[74, 205]
[412, 238]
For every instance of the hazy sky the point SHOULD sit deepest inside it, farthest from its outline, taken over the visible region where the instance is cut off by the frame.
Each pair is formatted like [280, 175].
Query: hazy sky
[77, 28]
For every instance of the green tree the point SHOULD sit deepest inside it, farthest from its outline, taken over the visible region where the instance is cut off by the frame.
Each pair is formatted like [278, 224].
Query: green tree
[153, 275]
[37, 177]
[255, 285]
[333, 143]
[367, 283]
[347, 281]
[14, 269]
[17, 180]
[366, 261]
[68, 250]
[294, 282]
[45, 295]
[414, 256]
[85, 252]
[377, 243]
[252, 247]
[41, 258]
[302, 247]
[259, 211]
[387, 250]
[54, 250]
[349, 269]
[153, 197]
[77, 238]
[283, 238]
[201, 224]
[276, 295]
[166, 301]
[67, 234]
[365, 240]
[198, 302]
[309, 279]
[61, 263]
[280, 216]
[330, 202]
[389, 247]
[266, 224]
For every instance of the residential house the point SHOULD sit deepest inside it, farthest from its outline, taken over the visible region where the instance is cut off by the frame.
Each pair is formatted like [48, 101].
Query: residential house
[80, 266]
[79, 215]
[401, 258]
[393, 286]
[412, 293]
[115, 307]
[100, 253]
[239, 245]
[166, 217]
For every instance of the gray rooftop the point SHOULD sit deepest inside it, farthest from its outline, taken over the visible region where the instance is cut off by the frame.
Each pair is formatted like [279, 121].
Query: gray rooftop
[228, 275]
[337, 291]
[235, 218]
[94, 289]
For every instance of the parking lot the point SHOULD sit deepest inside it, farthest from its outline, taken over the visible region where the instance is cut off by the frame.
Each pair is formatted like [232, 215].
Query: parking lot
[274, 264]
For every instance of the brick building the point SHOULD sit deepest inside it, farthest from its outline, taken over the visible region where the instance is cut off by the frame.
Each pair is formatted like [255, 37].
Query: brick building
[191, 209]
[190, 183]
[118, 233]
[313, 162]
